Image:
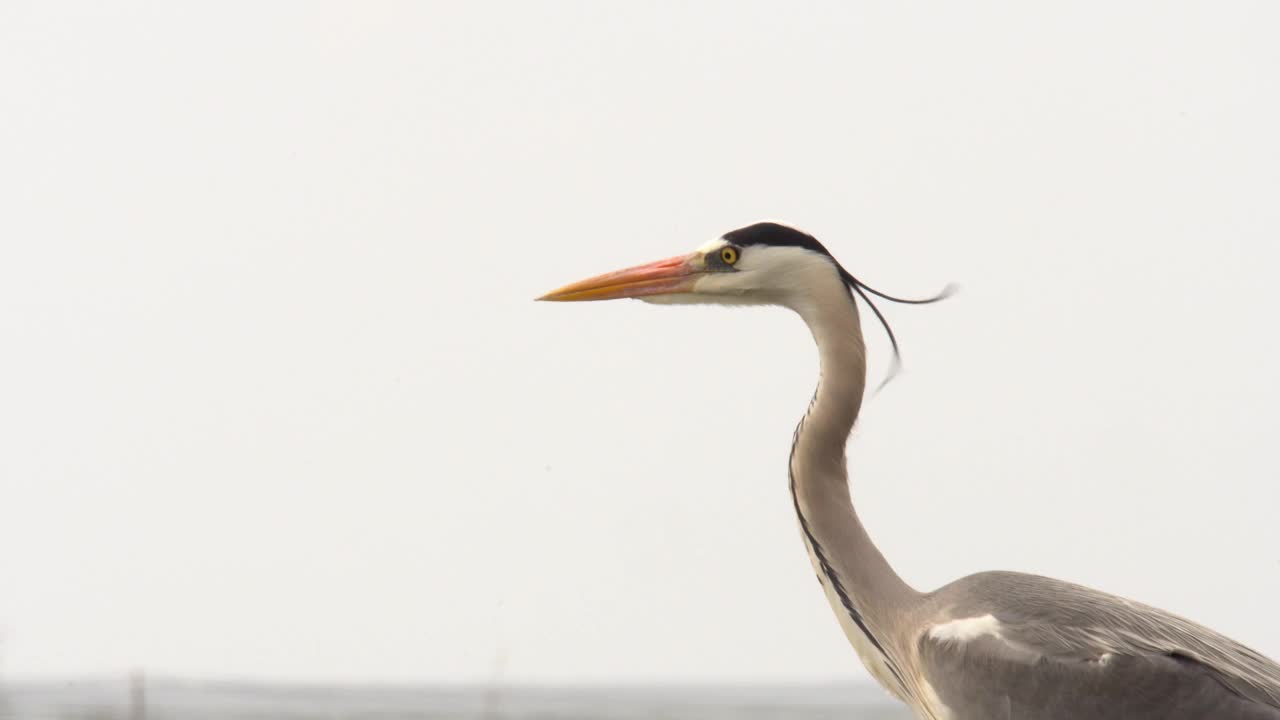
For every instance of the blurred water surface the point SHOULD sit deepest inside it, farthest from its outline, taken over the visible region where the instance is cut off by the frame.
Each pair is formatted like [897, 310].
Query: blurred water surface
[186, 700]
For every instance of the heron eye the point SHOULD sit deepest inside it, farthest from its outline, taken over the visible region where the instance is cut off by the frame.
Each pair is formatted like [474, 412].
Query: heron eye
[729, 255]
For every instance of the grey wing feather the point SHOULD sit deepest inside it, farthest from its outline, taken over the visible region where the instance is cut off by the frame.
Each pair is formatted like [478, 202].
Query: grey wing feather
[1067, 651]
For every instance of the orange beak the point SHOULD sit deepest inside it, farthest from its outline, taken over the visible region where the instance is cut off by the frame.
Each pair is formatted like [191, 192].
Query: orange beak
[673, 275]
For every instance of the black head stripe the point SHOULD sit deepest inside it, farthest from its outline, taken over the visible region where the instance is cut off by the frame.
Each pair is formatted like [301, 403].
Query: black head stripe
[775, 235]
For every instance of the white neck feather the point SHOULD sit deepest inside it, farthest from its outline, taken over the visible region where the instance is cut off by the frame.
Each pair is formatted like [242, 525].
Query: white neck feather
[863, 589]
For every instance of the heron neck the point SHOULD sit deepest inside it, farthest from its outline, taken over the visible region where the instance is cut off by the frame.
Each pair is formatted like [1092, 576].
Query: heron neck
[819, 474]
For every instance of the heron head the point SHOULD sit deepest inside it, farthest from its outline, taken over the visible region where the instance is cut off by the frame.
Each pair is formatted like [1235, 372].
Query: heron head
[762, 264]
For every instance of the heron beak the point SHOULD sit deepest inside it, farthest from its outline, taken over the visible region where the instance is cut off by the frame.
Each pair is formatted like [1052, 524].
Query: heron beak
[673, 275]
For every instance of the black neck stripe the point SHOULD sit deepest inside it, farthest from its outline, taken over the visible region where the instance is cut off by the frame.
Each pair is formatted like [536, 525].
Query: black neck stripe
[825, 565]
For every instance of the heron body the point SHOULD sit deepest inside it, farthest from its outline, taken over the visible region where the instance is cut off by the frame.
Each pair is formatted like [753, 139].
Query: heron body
[988, 646]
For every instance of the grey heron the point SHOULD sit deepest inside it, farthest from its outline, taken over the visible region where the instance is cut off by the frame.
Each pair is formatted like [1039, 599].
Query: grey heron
[991, 645]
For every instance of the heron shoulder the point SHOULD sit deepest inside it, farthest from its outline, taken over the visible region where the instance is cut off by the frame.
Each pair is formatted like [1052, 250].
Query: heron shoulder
[1020, 622]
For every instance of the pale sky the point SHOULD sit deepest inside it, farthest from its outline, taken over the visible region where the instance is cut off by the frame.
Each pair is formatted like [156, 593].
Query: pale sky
[275, 401]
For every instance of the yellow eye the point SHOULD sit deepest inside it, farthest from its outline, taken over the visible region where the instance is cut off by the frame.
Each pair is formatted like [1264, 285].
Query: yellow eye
[729, 255]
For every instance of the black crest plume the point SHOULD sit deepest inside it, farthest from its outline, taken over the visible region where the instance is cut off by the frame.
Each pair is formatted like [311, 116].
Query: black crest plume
[767, 233]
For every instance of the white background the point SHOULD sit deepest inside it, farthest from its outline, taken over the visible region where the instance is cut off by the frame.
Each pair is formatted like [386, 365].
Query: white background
[275, 401]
